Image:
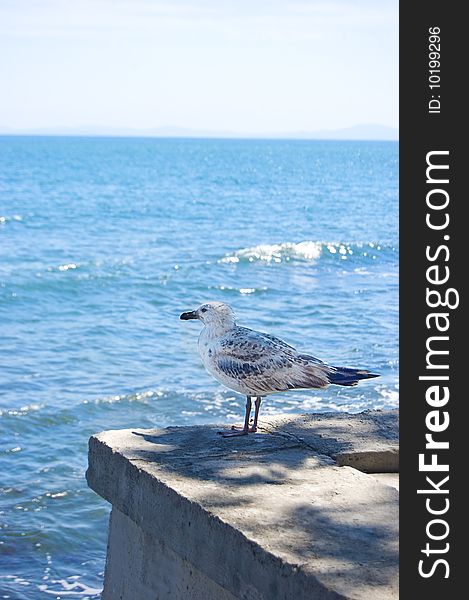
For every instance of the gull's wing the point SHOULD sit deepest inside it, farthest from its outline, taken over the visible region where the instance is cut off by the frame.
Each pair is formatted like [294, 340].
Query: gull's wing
[267, 364]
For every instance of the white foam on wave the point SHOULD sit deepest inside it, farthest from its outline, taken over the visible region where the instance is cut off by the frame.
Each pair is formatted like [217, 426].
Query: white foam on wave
[243, 291]
[139, 397]
[69, 588]
[24, 410]
[390, 395]
[67, 267]
[283, 252]
[5, 219]
[308, 250]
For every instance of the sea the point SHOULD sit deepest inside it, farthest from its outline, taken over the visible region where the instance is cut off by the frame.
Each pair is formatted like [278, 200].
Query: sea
[104, 242]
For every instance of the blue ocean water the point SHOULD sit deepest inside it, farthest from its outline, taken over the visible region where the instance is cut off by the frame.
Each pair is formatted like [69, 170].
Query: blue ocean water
[104, 242]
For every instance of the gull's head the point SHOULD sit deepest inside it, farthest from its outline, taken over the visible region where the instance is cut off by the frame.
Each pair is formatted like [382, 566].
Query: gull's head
[212, 314]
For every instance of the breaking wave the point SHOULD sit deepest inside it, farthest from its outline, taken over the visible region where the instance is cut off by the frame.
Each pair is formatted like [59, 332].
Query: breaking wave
[307, 251]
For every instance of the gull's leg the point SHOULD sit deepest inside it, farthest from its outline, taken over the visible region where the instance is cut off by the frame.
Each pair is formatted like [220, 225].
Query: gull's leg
[245, 429]
[253, 429]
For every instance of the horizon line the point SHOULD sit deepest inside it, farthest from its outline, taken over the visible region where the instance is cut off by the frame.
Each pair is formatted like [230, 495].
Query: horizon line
[240, 137]
[362, 132]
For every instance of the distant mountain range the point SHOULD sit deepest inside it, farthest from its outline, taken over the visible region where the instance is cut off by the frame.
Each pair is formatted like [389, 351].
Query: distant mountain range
[356, 132]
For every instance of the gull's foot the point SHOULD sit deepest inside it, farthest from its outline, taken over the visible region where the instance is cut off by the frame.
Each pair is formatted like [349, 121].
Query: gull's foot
[235, 432]
[251, 429]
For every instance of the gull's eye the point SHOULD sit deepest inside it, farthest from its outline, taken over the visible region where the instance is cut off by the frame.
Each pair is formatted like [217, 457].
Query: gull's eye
[204, 310]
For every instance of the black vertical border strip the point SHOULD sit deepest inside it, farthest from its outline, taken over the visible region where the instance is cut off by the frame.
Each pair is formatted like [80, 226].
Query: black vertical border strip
[420, 133]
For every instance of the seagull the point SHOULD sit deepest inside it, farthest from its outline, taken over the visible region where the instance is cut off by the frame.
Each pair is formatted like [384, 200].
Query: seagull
[257, 364]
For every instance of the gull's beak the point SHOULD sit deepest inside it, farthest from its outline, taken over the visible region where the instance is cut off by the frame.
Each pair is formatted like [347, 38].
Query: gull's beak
[189, 315]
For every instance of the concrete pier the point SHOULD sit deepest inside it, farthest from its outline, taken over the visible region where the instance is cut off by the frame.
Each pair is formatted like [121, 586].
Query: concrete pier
[307, 508]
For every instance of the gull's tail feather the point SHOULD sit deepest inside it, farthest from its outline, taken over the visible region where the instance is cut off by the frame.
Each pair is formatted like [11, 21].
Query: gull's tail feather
[346, 376]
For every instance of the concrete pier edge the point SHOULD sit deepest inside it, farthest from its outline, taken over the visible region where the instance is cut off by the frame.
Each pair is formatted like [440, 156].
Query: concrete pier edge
[305, 508]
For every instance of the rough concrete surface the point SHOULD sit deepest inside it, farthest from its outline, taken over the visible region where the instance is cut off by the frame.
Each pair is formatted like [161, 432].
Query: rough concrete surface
[391, 479]
[263, 517]
[368, 441]
[169, 575]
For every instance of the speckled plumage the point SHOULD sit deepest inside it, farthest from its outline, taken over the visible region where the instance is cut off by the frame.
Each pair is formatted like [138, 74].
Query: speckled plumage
[258, 364]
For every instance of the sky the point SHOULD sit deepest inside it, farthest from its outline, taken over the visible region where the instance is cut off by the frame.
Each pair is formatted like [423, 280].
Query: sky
[247, 66]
